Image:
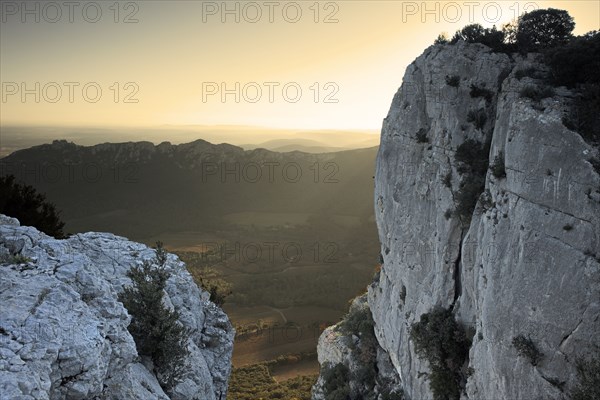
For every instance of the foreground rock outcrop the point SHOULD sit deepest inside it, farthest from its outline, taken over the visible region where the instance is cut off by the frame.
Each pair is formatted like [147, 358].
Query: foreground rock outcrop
[524, 262]
[351, 347]
[63, 332]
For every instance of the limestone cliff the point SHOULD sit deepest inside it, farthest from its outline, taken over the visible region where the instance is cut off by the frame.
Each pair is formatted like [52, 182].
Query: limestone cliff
[63, 332]
[524, 262]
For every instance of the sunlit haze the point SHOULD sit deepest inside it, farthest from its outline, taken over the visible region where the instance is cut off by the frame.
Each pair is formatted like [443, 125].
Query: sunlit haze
[336, 65]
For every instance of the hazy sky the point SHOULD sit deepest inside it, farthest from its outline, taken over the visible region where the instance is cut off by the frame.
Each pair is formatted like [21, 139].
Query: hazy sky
[302, 64]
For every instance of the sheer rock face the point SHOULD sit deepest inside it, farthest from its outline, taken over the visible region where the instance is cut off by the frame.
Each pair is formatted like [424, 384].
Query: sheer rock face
[64, 333]
[527, 262]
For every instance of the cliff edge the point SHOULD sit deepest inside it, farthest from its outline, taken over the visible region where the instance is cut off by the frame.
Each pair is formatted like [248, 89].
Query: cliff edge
[63, 332]
[487, 206]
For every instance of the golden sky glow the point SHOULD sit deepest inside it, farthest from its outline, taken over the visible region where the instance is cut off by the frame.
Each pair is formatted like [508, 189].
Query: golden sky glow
[178, 53]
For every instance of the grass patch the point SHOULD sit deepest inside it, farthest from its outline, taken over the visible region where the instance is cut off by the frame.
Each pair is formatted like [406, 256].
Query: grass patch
[15, 259]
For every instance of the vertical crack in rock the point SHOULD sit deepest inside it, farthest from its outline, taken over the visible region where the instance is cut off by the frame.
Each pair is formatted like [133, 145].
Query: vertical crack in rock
[456, 272]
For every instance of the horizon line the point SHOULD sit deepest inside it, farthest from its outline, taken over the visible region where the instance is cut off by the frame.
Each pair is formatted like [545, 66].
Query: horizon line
[184, 126]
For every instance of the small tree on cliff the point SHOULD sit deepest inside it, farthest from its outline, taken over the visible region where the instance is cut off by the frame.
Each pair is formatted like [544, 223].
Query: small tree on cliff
[154, 327]
[544, 28]
[29, 207]
[442, 341]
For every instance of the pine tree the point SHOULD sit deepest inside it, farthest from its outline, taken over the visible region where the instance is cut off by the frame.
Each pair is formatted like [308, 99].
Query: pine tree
[155, 329]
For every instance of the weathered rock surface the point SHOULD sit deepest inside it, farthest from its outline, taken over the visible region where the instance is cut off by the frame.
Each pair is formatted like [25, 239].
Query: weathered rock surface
[527, 262]
[63, 333]
[359, 355]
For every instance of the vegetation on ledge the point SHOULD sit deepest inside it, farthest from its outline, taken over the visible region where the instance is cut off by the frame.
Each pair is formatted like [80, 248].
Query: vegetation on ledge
[440, 340]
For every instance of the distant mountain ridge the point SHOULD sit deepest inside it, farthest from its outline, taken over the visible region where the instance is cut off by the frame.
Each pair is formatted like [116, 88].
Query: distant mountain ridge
[310, 145]
[138, 188]
[314, 141]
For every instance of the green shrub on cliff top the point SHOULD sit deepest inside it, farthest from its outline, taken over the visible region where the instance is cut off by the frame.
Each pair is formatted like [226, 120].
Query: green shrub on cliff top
[155, 328]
